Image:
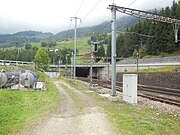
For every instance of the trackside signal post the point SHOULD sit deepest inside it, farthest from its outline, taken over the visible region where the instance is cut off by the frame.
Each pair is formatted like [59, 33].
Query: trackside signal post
[92, 50]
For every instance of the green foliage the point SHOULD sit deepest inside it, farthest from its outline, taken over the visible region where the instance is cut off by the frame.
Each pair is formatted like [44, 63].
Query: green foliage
[51, 43]
[43, 44]
[35, 49]
[99, 37]
[19, 54]
[28, 46]
[62, 55]
[41, 59]
[101, 51]
[163, 36]
[48, 44]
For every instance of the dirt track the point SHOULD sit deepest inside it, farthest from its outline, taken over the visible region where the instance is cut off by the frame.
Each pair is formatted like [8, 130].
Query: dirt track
[78, 114]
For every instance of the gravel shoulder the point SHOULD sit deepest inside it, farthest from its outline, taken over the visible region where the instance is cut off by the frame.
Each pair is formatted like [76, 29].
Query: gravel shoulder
[70, 120]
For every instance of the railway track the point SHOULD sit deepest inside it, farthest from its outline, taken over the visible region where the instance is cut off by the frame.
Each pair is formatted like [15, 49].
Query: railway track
[166, 95]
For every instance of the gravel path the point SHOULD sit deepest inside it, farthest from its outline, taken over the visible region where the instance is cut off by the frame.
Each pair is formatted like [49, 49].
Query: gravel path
[69, 120]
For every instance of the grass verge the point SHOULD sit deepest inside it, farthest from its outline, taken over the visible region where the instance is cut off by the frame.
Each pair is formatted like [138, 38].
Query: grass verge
[162, 69]
[21, 108]
[153, 70]
[135, 120]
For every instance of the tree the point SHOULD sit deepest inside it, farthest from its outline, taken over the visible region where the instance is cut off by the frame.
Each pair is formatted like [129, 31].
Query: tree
[51, 43]
[43, 44]
[34, 48]
[28, 46]
[109, 46]
[41, 59]
[101, 51]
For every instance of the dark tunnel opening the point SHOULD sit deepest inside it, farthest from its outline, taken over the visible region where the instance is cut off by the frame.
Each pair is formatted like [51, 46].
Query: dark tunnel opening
[82, 72]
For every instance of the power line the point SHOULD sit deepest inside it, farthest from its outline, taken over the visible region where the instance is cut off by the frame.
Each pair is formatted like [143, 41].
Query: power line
[135, 33]
[90, 11]
[127, 6]
[132, 3]
[119, 14]
[82, 2]
[82, 21]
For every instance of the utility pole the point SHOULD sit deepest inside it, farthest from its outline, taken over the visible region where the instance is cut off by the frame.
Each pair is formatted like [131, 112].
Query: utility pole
[75, 18]
[91, 66]
[113, 51]
[59, 66]
[176, 33]
[137, 59]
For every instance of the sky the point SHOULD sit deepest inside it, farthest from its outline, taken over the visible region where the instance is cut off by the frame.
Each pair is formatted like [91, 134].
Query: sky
[54, 15]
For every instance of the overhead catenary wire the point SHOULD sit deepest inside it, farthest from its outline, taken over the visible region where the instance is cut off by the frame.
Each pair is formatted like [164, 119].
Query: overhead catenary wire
[127, 6]
[94, 7]
[108, 24]
[82, 2]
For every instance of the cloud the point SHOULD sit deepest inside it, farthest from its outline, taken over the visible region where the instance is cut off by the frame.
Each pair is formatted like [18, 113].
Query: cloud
[54, 15]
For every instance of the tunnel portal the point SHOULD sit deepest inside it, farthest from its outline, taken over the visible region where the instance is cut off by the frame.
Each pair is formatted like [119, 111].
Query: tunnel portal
[84, 72]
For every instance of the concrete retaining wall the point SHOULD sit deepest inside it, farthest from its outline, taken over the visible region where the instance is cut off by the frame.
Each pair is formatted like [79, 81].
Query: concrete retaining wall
[168, 80]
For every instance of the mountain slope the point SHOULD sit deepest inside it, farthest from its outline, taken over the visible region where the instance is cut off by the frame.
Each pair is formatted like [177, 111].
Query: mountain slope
[9, 40]
[122, 24]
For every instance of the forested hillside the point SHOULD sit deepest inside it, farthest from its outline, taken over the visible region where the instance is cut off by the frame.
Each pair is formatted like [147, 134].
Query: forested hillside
[163, 40]
[9, 40]
[105, 27]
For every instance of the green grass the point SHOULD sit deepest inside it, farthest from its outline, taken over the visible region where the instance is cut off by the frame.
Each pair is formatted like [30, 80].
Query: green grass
[15, 67]
[81, 45]
[19, 109]
[162, 69]
[176, 53]
[152, 70]
[8, 67]
[134, 120]
[139, 120]
[35, 44]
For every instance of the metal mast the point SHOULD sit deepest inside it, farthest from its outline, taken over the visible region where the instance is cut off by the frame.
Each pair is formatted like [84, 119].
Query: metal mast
[149, 16]
[75, 18]
[113, 51]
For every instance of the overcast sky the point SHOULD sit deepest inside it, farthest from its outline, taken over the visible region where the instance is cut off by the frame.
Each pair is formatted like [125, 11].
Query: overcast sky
[54, 15]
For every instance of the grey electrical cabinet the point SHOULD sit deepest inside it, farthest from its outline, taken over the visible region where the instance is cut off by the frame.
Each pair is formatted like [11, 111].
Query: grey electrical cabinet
[130, 88]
